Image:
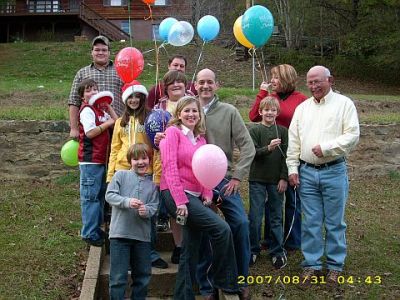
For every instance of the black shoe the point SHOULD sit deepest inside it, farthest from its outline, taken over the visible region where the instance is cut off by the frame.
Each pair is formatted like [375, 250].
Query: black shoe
[159, 264]
[96, 243]
[279, 262]
[176, 255]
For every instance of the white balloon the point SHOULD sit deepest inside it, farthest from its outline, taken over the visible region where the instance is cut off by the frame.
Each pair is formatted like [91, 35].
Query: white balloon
[180, 34]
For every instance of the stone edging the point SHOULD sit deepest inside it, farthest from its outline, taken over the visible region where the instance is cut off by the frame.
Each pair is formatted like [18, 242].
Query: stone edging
[91, 280]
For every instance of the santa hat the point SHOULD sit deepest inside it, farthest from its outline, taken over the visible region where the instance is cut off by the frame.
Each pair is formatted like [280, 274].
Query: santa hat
[131, 88]
[102, 96]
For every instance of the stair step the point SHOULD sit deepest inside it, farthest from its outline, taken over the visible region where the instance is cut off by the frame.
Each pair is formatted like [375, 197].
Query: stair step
[165, 241]
[161, 284]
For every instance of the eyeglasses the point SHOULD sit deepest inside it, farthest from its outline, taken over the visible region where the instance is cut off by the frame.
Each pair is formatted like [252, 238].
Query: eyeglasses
[316, 83]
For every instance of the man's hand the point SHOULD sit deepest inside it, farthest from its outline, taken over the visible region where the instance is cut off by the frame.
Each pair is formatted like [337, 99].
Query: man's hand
[317, 151]
[294, 180]
[282, 186]
[231, 187]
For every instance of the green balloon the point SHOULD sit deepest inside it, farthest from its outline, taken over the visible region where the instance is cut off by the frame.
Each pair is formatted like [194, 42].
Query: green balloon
[69, 153]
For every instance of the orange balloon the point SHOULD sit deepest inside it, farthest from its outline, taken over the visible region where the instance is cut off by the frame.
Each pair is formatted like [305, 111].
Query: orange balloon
[148, 1]
[238, 33]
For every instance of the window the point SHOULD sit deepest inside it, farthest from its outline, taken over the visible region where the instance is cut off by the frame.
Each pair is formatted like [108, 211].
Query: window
[161, 2]
[156, 34]
[125, 26]
[42, 6]
[115, 2]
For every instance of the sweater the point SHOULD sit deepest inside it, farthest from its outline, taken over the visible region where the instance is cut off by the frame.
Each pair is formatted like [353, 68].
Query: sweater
[176, 156]
[125, 221]
[226, 129]
[268, 166]
[122, 139]
[287, 106]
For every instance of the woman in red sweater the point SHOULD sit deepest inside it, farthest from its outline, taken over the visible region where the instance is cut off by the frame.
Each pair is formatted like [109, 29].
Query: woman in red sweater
[283, 86]
[187, 201]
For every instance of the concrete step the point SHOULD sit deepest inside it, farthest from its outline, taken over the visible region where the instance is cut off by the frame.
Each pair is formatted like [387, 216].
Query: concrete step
[165, 241]
[161, 284]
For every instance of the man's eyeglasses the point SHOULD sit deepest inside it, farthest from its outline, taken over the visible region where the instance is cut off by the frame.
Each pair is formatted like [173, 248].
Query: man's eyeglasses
[315, 83]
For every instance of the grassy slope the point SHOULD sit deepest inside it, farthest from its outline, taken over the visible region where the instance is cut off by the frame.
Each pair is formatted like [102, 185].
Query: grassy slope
[36, 78]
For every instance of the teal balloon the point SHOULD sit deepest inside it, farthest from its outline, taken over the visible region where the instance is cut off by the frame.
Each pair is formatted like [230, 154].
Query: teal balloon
[165, 26]
[208, 28]
[257, 25]
[69, 153]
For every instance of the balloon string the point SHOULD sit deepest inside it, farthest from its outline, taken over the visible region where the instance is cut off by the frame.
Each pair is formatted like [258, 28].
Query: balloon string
[130, 32]
[157, 50]
[198, 60]
[263, 66]
[150, 15]
[258, 62]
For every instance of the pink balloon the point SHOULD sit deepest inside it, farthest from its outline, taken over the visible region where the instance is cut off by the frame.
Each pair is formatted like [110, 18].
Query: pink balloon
[209, 165]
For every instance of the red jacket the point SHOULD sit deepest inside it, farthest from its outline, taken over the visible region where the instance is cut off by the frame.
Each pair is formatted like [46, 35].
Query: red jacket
[287, 105]
[93, 150]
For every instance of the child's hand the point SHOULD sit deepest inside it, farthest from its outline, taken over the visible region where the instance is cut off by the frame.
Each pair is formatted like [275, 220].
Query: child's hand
[142, 211]
[110, 122]
[282, 186]
[273, 144]
[158, 137]
[135, 203]
[265, 86]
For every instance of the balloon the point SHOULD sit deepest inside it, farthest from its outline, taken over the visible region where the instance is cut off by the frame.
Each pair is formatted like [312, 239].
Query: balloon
[155, 122]
[148, 1]
[208, 28]
[180, 33]
[69, 153]
[129, 64]
[257, 25]
[238, 33]
[165, 27]
[209, 165]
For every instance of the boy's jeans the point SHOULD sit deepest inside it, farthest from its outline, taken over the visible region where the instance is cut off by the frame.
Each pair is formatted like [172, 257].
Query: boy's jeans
[125, 252]
[257, 193]
[92, 193]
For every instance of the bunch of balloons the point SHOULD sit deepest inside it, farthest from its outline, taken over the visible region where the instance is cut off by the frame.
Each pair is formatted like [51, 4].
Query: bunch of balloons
[180, 33]
[255, 27]
[129, 64]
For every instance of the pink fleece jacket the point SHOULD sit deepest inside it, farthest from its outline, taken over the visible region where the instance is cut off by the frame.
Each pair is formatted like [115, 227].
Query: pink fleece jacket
[176, 157]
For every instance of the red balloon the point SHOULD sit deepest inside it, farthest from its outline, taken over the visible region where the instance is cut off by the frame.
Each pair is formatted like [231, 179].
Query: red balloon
[129, 64]
[148, 1]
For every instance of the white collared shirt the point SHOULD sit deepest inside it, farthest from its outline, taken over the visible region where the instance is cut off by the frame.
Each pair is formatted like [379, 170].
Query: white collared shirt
[186, 131]
[331, 123]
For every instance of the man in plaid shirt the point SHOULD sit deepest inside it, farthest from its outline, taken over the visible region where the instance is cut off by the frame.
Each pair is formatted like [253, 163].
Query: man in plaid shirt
[103, 72]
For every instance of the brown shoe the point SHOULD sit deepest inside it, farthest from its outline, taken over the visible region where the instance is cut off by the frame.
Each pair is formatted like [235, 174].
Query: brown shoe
[332, 278]
[306, 278]
[244, 293]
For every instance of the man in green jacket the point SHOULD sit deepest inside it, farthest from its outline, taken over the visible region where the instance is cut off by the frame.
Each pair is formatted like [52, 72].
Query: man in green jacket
[226, 129]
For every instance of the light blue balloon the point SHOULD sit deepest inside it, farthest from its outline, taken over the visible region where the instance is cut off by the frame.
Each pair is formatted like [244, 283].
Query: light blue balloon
[257, 25]
[165, 26]
[208, 28]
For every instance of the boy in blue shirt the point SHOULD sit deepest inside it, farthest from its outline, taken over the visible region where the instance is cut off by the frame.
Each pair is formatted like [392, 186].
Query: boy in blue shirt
[268, 175]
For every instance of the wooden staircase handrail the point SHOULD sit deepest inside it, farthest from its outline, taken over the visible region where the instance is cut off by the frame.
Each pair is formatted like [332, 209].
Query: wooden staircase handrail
[103, 25]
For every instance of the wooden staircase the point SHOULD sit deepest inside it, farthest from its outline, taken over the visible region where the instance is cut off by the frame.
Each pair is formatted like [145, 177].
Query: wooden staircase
[101, 24]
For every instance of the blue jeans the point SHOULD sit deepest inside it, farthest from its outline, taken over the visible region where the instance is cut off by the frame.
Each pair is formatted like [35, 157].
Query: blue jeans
[292, 206]
[235, 215]
[125, 253]
[257, 195]
[92, 192]
[202, 219]
[323, 196]
[154, 255]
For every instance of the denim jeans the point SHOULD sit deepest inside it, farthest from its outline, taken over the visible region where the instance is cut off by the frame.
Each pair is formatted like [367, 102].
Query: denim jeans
[125, 252]
[154, 255]
[323, 196]
[257, 195]
[202, 219]
[292, 206]
[92, 193]
[235, 215]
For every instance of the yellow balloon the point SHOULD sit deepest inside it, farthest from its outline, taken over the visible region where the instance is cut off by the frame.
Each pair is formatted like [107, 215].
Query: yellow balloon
[238, 33]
